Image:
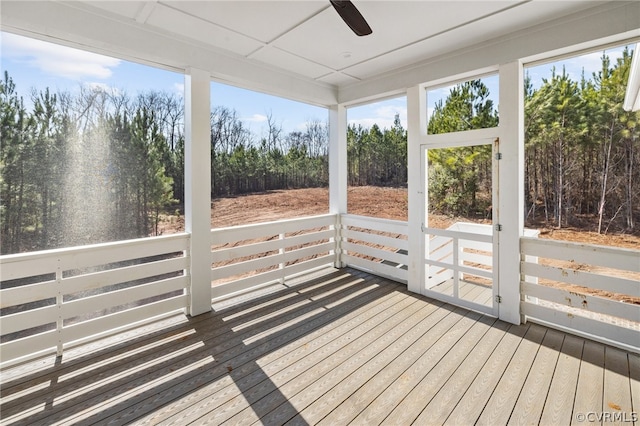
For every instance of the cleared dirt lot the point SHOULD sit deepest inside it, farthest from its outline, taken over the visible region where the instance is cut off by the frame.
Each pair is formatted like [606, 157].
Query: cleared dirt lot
[388, 203]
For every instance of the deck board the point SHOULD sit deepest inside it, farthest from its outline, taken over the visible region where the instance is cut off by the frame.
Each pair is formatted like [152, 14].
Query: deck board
[411, 328]
[559, 408]
[617, 388]
[634, 370]
[504, 397]
[346, 410]
[337, 347]
[590, 386]
[278, 405]
[413, 404]
[533, 395]
[396, 391]
[475, 398]
[441, 406]
[471, 292]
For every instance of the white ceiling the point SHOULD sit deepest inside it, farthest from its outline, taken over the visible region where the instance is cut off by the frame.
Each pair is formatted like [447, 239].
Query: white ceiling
[298, 42]
[310, 38]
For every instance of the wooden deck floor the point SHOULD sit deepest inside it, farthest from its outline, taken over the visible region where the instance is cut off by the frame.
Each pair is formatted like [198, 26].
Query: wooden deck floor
[468, 291]
[342, 347]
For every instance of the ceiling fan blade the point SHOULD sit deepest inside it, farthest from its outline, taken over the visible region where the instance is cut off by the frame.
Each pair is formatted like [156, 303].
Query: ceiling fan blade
[352, 17]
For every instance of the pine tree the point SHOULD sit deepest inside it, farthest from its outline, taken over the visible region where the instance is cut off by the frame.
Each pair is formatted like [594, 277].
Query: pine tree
[460, 177]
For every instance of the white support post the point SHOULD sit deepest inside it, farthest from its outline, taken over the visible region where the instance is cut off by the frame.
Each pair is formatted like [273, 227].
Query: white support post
[197, 189]
[338, 171]
[416, 129]
[510, 212]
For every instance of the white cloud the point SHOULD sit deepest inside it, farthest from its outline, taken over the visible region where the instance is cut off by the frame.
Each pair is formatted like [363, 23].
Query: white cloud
[390, 112]
[438, 94]
[589, 63]
[366, 122]
[256, 118]
[100, 86]
[57, 60]
[381, 113]
[178, 88]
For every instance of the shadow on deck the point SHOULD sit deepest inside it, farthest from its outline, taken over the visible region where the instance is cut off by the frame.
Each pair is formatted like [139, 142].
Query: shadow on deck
[339, 346]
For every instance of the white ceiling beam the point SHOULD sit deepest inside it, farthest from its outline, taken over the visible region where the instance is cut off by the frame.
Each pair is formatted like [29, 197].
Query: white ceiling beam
[145, 11]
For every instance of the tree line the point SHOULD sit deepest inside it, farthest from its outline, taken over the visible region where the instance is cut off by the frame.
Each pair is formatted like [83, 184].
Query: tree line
[87, 167]
[242, 163]
[99, 165]
[582, 151]
[377, 156]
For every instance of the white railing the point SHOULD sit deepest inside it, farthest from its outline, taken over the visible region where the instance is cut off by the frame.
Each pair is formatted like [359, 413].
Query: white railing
[251, 256]
[586, 289]
[54, 299]
[463, 248]
[379, 246]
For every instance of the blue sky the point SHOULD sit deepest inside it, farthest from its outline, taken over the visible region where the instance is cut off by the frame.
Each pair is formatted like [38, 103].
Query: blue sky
[35, 64]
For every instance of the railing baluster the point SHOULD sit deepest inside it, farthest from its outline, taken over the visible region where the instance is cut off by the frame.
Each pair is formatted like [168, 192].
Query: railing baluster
[281, 253]
[59, 301]
[456, 271]
[337, 240]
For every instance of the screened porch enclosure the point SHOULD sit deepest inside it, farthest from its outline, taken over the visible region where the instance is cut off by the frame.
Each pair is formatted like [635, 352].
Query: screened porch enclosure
[333, 318]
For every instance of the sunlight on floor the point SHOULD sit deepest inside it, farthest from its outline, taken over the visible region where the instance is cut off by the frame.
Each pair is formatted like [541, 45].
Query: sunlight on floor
[136, 369]
[25, 392]
[104, 405]
[125, 355]
[296, 320]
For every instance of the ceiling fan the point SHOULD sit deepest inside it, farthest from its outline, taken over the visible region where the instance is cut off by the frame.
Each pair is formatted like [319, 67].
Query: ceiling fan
[352, 17]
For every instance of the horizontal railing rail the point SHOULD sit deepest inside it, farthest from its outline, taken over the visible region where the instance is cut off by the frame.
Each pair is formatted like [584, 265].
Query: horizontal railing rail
[463, 248]
[54, 299]
[377, 245]
[586, 289]
[251, 256]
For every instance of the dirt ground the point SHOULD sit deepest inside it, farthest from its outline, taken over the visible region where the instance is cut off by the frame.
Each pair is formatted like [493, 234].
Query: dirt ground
[388, 203]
